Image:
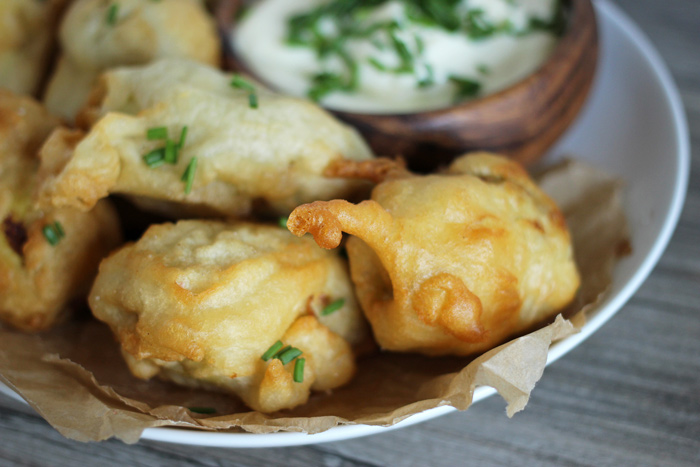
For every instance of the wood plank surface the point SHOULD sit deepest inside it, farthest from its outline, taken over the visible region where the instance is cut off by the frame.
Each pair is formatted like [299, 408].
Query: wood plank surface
[629, 395]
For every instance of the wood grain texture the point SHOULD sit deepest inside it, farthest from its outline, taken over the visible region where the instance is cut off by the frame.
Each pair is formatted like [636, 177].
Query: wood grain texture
[629, 395]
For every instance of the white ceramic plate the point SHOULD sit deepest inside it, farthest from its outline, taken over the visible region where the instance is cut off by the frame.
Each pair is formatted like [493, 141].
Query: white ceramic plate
[633, 126]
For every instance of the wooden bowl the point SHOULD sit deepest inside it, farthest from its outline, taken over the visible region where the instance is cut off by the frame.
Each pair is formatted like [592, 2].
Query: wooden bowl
[522, 121]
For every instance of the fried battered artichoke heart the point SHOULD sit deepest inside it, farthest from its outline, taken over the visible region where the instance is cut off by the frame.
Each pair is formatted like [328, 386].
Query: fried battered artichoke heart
[269, 159]
[96, 35]
[200, 302]
[26, 29]
[38, 280]
[451, 263]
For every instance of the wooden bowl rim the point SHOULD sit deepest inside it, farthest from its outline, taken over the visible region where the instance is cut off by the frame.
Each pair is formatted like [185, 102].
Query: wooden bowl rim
[578, 9]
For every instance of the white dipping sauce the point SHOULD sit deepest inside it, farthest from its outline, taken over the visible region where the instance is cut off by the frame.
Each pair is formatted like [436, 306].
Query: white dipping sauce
[510, 50]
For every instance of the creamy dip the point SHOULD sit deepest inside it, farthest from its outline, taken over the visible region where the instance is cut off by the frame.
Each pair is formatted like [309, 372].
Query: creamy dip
[396, 56]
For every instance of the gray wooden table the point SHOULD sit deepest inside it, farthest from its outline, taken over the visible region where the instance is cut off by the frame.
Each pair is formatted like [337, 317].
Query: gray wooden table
[628, 396]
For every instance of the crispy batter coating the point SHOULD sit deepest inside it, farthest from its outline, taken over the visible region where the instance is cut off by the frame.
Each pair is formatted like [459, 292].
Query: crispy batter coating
[96, 35]
[199, 303]
[26, 37]
[451, 263]
[268, 159]
[38, 280]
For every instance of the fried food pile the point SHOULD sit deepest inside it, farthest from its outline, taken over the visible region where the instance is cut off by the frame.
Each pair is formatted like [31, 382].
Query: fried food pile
[220, 296]
[452, 263]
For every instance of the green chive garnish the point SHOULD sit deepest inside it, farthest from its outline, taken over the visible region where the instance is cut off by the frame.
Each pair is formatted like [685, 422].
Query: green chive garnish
[50, 235]
[299, 370]
[289, 355]
[202, 410]
[476, 25]
[155, 158]
[188, 176]
[253, 100]
[377, 64]
[283, 222]
[157, 133]
[403, 53]
[53, 233]
[333, 307]
[283, 350]
[240, 83]
[170, 152]
[59, 229]
[272, 351]
[429, 78]
[183, 136]
[112, 13]
[466, 87]
[483, 69]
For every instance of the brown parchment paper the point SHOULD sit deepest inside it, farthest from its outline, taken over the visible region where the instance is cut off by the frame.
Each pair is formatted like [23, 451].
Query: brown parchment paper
[75, 378]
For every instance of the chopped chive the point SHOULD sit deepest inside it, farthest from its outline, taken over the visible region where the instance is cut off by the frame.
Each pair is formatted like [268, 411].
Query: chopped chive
[50, 235]
[274, 348]
[281, 351]
[177, 147]
[253, 100]
[377, 64]
[483, 69]
[429, 78]
[333, 307]
[112, 14]
[202, 410]
[183, 136]
[465, 87]
[59, 229]
[289, 355]
[155, 158]
[378, 44]
[403, 53]
[420, 44]
[325, 83]
[299, 370]
[241, 83]
[170, 152]
[188, 176]
[156, 133]
[53, 233]
[283, 222]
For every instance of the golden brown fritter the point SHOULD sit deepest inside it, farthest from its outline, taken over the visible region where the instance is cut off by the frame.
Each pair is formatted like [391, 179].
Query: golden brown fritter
[451, 263]
[96, 35]
[268, 159]
[38, 279]
[26, 39]
[199, 303]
